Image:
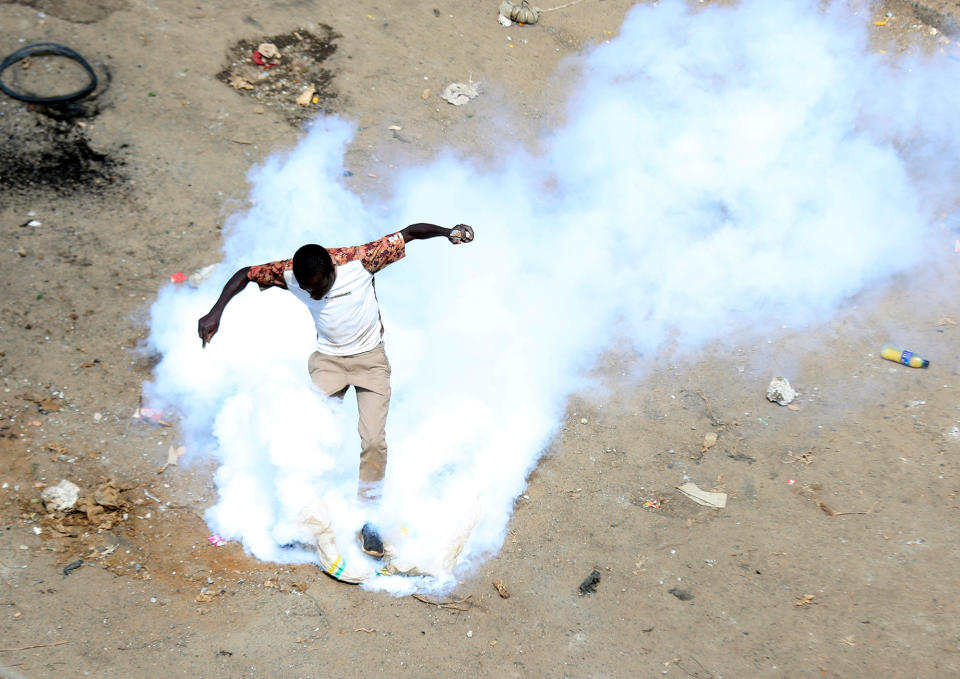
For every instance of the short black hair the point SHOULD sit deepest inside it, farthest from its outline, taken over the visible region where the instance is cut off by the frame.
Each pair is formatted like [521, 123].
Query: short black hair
[310, 261]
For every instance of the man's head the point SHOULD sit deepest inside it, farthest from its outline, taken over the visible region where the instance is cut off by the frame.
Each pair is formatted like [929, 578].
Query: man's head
[314, 270]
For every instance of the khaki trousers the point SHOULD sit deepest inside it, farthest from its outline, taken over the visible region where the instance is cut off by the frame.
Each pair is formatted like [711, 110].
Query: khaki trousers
[369, 374]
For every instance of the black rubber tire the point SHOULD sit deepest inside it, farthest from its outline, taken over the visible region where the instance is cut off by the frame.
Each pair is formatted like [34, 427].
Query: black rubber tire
[47, 48]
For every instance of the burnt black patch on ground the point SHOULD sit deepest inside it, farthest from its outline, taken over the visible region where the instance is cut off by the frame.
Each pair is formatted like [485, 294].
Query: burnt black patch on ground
[278, 83]
[50, 152]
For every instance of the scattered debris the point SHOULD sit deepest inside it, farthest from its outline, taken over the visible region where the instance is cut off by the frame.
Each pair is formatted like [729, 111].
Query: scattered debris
[459, 94]
[682, 594]
[830, 512]
[260, 61]
[206, 597]
[44, 405]
[804, 458]
[24, 648]
[216, 540]
[306, 97]
[268, 50]
[501, 589]
[455, 604]
[105, 506]
[72, 566]
[178, 277]
[149, 415]
[522, 13]
[652, 504]
[274, 70]
[426, 94]
[173, 456]
[525, 13]
[703, 497]
[239, 82]
[504, 21]
[202, 274]
[61, 497]
[945, 321]
[709, 441]
[779, 391]
[805, 601]
[589, 585]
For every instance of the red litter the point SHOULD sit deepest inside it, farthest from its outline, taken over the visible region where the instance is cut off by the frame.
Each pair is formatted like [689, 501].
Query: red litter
[178, 277]
[150, 415]
[259, 61]
[216, 540]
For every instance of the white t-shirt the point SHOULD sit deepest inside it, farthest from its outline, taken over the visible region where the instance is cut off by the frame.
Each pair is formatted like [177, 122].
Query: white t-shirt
[348, 316]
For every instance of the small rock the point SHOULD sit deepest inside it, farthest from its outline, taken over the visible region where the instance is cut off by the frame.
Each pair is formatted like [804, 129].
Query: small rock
[589, 585]
[779, 391]
[459, 94]
[61, 497]
[682, 594]
[268, 50]
[306, 96]
[239, 83]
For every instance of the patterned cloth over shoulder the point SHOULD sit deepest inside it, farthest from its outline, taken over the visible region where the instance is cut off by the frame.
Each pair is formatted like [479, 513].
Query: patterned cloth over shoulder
[374, 256]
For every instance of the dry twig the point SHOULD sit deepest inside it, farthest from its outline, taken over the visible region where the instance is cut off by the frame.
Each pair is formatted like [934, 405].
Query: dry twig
[25, 648]
[453, 605]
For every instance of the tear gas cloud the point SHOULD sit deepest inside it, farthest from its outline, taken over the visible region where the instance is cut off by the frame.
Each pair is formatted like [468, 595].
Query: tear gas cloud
[719, 170]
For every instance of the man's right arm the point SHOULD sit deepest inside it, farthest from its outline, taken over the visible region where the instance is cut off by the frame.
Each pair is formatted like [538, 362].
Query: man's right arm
[209, 324]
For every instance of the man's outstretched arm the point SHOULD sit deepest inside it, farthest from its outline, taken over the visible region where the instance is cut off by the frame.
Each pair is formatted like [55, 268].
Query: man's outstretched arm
[461, 233]
[209, 324]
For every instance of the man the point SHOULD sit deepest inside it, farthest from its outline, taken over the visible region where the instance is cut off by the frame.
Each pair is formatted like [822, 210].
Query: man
[337, 286]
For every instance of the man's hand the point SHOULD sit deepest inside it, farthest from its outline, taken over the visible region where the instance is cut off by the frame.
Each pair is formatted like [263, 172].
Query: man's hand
[461, 233]
[208, 326]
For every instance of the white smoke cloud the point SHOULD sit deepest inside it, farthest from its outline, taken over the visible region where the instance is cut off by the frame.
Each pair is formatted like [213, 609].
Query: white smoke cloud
[722, 170]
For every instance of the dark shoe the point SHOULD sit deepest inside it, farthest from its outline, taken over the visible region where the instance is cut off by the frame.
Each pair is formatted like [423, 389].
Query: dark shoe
[370, 542]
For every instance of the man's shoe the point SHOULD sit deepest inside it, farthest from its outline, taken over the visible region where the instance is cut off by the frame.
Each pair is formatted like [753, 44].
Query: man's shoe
[370, 542]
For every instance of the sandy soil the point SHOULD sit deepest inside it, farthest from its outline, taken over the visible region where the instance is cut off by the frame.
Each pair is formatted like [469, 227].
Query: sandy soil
[833, 557]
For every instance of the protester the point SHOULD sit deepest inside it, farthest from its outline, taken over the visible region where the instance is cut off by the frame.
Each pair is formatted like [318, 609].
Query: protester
[338, 287]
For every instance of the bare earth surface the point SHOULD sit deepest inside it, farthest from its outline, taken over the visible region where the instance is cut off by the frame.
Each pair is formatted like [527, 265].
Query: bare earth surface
[834, 557]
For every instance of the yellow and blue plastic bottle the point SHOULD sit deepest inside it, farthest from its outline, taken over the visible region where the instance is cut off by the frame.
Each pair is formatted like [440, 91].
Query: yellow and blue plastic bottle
[897, 355]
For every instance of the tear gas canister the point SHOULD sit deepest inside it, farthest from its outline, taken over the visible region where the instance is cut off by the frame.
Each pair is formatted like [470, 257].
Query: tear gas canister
[892, 353]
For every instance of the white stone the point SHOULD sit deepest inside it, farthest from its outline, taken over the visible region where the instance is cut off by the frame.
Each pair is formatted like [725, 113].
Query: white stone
[780, 391]
[61, 497]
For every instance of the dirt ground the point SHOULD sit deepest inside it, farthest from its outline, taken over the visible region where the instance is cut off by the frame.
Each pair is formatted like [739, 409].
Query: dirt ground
[833, 557]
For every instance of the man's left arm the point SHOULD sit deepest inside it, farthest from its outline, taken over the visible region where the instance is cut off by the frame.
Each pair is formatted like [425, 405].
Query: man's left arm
[461, 233]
